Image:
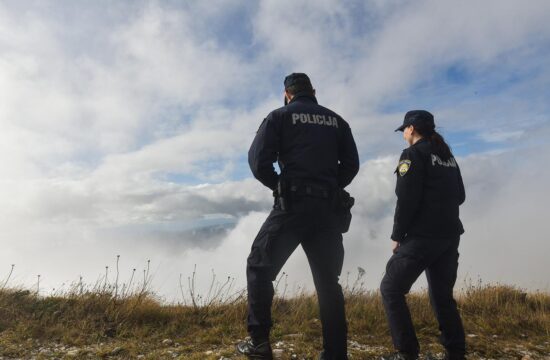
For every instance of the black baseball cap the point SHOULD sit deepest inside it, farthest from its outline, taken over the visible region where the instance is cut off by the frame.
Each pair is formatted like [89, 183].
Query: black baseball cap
[297, 79]
[417, 117]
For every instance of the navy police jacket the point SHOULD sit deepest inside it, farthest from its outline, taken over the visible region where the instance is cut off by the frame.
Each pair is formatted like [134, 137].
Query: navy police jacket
[309, 142]
[429, 191]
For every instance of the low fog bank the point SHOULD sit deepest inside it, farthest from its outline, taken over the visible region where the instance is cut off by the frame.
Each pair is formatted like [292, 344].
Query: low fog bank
[504, 217]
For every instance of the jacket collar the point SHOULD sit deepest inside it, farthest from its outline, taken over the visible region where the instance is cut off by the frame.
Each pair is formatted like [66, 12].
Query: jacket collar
[423, 140]
[303, 96]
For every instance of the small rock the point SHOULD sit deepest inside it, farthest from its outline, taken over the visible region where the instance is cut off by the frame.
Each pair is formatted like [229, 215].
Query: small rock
[209, 352]
[73, 353]
[278, 353]
[116, 351]
[472, 335]
[167, 342]
[355, 345]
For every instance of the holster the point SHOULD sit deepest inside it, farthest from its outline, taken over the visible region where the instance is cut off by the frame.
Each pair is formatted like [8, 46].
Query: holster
[343, 202]
[281, 195]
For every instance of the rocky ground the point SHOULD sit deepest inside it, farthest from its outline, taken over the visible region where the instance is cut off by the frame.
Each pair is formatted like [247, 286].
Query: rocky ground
[502, 322]
[292, 346]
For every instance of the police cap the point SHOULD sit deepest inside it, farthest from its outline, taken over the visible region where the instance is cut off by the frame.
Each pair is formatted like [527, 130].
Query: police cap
[295, 79]
[417, 118]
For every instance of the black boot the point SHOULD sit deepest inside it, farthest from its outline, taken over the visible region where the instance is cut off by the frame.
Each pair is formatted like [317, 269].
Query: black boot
[255, 349]
[454, 356]
[399, 356]
[323, 356]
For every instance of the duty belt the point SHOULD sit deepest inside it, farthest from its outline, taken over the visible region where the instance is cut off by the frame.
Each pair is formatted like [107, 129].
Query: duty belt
[311, 190]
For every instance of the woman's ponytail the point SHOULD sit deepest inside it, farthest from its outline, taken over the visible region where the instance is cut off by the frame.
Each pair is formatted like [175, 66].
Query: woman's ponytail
[440, 147]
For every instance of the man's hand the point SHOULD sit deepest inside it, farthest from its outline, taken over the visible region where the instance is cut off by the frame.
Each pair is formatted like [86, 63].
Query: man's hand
[394, 247]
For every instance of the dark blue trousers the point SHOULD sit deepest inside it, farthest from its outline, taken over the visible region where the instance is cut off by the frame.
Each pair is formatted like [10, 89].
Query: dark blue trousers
[439, 258]
[310, 222]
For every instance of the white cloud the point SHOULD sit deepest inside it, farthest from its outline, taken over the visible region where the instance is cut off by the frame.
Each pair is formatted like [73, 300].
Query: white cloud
[500, 136]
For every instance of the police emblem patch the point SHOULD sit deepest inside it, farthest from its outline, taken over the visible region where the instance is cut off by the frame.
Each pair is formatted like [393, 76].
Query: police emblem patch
[403, 167]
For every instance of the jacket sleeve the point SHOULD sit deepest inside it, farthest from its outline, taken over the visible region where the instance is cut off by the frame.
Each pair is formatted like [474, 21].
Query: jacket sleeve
[264, 152]
[348, 158]
[409, 190]
[462, 192]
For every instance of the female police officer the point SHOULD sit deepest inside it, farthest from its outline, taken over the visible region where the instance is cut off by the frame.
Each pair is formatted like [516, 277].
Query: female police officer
[425, 236]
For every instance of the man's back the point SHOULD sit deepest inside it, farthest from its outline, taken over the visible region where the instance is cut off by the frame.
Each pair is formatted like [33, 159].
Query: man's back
[309, 141]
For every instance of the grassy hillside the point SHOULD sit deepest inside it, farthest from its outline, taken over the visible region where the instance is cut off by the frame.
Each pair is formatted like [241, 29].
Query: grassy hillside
[501, 322]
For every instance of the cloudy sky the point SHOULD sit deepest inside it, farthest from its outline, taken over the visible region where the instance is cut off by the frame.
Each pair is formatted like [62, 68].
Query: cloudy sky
[124, 128]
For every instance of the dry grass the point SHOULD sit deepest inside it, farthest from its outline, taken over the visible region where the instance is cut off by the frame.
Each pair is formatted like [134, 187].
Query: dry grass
[502, 322]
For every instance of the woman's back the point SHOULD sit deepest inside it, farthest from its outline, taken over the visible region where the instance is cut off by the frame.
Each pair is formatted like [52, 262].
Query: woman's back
[441, 192]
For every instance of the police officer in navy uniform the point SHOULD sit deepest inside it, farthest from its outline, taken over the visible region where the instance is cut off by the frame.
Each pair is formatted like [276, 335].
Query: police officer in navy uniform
[426, 235]
[317, 156]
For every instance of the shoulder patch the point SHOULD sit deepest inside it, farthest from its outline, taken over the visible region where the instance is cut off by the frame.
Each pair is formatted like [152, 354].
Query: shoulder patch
[403, 167]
